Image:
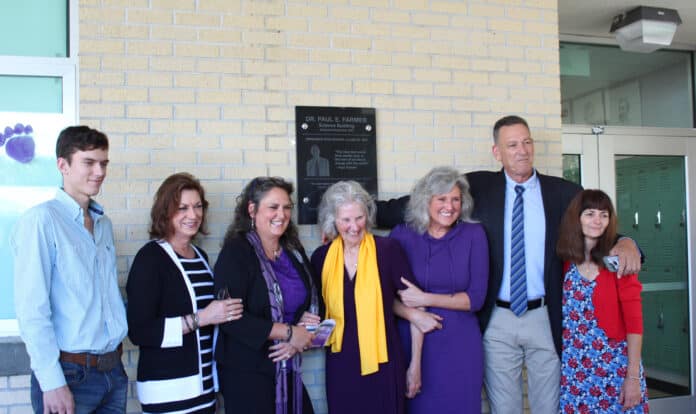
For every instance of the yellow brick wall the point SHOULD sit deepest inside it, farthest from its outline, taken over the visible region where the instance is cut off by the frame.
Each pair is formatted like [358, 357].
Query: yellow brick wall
[209, 87]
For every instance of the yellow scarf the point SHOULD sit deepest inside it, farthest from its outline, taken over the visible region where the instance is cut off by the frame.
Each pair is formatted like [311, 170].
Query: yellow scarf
[372, 338]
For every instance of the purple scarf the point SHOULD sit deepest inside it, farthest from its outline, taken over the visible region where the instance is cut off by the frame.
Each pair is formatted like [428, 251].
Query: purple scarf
[275, 296]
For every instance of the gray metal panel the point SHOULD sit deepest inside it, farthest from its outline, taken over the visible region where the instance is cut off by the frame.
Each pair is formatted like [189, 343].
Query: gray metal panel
[13, 357]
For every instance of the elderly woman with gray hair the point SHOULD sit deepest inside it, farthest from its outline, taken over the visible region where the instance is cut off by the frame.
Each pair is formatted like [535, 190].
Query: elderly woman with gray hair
[449, 257]
[361, 274]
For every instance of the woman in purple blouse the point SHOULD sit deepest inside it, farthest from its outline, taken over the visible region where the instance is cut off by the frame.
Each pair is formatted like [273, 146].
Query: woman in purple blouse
[263, 262]
[448, 254]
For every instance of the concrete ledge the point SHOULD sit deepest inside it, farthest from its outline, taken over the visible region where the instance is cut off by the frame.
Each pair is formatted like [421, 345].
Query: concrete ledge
[14, 359]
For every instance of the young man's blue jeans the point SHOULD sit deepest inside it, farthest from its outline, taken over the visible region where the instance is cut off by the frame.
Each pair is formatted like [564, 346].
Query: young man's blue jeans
[93, 391]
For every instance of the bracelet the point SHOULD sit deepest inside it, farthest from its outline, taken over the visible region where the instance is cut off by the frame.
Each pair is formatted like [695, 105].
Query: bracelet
[196, 321]
[188, 323]
[634, 378]
[288, 336]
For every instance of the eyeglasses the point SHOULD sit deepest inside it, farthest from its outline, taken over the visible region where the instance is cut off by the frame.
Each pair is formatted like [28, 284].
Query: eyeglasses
[223, 294]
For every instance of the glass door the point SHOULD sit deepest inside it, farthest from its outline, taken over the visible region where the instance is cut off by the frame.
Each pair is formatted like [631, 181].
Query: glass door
[646, 172]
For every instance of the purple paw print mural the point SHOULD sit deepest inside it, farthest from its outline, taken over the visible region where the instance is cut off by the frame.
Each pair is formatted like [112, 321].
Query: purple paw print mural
[18, 142]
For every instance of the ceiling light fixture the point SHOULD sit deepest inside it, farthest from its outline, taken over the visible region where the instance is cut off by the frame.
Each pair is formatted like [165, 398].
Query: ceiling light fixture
[645, 29]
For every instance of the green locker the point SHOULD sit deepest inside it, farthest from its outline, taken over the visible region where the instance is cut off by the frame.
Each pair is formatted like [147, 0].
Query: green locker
[651, 207]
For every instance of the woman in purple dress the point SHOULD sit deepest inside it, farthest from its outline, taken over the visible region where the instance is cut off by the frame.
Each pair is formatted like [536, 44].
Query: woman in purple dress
[360, 276]
[449, 257]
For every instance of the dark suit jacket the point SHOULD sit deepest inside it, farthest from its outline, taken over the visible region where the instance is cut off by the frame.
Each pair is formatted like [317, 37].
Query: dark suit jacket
[488, 191]
[243, 344]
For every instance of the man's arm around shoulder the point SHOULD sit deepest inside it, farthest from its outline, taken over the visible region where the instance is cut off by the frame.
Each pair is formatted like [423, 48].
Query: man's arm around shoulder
[391, 213]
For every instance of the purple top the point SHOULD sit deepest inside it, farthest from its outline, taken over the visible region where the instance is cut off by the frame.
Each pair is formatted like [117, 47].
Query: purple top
[291, 286]
[456, 262]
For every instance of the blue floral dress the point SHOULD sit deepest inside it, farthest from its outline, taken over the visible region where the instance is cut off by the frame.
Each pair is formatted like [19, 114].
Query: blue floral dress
[593, 366]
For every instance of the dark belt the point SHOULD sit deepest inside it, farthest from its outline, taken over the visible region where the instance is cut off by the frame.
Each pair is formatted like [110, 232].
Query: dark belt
[103, 362]
[532, 304]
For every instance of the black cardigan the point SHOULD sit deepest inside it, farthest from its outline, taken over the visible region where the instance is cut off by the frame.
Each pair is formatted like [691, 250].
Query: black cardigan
[243, 344]
[156, 291]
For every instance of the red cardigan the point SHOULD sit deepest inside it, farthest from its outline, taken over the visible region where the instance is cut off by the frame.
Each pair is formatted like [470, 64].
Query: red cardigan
[617, 304]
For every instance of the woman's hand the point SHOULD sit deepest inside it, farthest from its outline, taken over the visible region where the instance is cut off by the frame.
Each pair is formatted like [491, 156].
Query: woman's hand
[301, 338]
[412, 296]
[309, 319]
[220, 311]
[413, 380]
[282, 351]
[299, 341]
[630, 393]
[426, 321]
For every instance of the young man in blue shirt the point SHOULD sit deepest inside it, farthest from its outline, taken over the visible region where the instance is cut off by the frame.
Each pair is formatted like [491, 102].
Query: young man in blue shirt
[70, 312]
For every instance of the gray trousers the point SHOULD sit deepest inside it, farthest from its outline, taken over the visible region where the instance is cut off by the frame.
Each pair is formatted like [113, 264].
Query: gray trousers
[511, 342]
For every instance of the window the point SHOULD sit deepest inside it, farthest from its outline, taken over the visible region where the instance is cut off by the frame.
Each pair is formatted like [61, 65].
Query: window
[34, 28]
[38, 72]
[571, 168]
[607, 86]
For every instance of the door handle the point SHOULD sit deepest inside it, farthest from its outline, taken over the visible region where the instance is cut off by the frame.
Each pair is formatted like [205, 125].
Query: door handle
[661, 319]
[635, 219]
[658, 219]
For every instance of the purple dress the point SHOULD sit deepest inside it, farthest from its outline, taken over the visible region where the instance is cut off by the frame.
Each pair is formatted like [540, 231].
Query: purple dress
[452, 363]
[383, 391]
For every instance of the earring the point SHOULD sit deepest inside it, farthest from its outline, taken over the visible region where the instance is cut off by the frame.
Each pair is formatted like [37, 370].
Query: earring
[252, 223]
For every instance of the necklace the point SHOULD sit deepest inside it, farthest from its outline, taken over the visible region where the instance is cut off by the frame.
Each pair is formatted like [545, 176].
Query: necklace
[349, 255]
[588, 270]
[274, 253]
[184, 251]
[352, 269]
[353, 265]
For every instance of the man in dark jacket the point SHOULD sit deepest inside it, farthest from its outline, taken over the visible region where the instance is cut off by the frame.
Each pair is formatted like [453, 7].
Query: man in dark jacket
[528, 334]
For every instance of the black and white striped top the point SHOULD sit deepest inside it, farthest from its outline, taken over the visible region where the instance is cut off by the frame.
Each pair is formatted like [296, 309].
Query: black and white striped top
[202, 282]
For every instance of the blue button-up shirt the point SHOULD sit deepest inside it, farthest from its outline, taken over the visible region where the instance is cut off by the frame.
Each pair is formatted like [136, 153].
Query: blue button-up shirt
[534, 237]
[66, 288]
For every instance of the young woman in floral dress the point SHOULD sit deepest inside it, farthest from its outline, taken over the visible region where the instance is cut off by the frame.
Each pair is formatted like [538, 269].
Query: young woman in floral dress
[602, 316]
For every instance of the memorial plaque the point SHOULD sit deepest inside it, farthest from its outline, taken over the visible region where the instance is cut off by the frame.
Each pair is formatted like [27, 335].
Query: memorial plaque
[333, 144]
